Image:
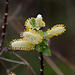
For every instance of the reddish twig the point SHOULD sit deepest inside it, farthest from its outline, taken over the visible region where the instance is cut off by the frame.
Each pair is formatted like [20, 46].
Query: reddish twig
[5, 24]
[41, 62]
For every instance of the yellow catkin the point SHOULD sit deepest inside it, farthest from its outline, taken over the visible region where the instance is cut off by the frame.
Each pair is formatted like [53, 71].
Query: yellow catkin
[55, 31]
[21, 44]
[33, 36]
[38, 23]
[27, 23]
[12, 73]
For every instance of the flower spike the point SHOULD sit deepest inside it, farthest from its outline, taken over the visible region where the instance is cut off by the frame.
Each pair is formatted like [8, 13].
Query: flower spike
[35, 23]
[55, 31]
[12, 73]
[33, 36]
[21, 44]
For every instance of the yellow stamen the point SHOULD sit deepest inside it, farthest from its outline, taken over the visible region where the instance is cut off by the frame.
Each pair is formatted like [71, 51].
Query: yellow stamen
[21, 44]
[33, 36]
[55, 31]
[38, 23]
[12, 73]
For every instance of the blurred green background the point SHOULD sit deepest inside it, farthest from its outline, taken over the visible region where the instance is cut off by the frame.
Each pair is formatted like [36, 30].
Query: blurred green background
[62, 61]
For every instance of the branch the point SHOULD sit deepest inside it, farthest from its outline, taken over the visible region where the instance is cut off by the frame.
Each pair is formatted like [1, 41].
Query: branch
[15, 66]
[4, 66]
[25, 62]
[2, 50]
[18, 62]
[41, 62]
[5, 24]
[13, 14]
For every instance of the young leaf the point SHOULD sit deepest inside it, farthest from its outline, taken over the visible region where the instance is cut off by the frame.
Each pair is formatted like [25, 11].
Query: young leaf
[32, 22]
[44, 48]
[47, 52]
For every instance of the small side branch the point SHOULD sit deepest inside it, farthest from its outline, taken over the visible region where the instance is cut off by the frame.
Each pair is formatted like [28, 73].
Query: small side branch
[14, 67]
[25, 62]
[13, 61]
[4, 66]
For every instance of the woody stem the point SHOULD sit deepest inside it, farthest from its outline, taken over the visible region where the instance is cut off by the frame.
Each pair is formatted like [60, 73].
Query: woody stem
[41, 62]
[5, 24]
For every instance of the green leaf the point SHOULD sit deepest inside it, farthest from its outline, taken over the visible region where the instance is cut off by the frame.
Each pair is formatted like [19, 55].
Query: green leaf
[47, 52]
[32, 22]
[38, 46]
[44, 48]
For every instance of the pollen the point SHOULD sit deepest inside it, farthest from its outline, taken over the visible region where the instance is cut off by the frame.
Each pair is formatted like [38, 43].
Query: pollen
[40, 22]
[21, 44]
[27, 23]
[34, 23]
[12, 73]
[55, 31]
[33, 36]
